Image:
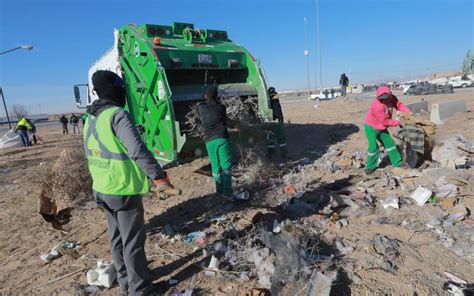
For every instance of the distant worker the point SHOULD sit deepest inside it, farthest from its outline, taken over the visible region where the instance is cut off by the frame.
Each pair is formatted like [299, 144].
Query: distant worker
[213, 117]
[119, 163]
[23, 126]
[344, 83]
[74, 121]
[377, 120]
[276, 140]
[64, 123]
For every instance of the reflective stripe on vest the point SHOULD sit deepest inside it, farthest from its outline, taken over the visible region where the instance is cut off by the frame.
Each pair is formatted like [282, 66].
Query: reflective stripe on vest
[112, 171]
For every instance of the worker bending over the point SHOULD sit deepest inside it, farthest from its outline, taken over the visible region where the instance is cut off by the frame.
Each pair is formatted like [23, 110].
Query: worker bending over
[213, 117]
[23, 127]
[377, 120]
[119, 163]
[276, 139]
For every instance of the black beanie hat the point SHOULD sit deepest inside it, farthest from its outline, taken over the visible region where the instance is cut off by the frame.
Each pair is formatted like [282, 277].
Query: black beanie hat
[105, 78]
[210, 93]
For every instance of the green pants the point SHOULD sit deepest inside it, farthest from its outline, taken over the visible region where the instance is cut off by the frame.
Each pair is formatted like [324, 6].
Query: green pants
[276, 140]
[220, 155]
[373, 152]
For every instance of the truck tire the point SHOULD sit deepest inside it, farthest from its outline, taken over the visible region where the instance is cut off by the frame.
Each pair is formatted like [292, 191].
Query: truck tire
[464, 85]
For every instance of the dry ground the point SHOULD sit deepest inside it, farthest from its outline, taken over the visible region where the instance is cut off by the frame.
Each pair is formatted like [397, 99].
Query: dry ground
[24, 235]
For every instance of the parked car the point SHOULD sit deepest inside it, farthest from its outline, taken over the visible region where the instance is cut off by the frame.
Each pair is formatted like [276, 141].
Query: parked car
[459, 82]
[427, 89]
[326, 94]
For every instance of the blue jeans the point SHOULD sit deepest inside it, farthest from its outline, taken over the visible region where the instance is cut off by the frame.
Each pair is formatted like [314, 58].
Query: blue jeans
[343, 90]
[24, 137]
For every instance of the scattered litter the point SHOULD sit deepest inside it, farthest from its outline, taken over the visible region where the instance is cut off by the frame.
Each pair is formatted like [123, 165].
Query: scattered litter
[320, 284]
[103, 275]
[168, 231]
[264, 260]
[390, 202]
[198, 237]
[289, 189]
[343, 249]
[389, 249]
[173, 282]
[213, 267]
[342, 223]
[421, 195]
[454, 278]
[187, 292]
[51, 256]
[276, 226]
[458, 213]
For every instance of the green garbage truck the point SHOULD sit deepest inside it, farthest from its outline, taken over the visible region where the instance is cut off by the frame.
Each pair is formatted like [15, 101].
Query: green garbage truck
[165, 70]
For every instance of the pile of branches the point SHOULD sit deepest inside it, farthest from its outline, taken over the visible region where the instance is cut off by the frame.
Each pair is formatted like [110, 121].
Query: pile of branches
[241, 114]
[69, 179]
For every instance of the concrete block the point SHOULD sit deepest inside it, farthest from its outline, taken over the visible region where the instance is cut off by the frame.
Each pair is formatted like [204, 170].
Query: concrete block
[417, 107]
[442, 111]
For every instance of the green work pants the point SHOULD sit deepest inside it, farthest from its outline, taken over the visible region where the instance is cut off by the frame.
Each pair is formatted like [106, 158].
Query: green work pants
[220, 155]
[374, 135]
[276, 140]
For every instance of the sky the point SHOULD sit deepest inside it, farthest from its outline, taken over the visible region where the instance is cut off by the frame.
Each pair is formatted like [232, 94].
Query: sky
[370, 40]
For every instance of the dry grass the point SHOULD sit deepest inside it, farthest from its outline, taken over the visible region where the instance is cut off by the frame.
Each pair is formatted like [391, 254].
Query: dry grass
[69, 179]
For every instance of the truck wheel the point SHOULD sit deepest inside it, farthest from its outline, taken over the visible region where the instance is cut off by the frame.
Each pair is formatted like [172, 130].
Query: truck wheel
[464, 85]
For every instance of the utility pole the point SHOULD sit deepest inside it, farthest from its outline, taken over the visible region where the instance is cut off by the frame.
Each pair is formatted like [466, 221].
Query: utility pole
[319, 46]
[5, 106]
[306, 53]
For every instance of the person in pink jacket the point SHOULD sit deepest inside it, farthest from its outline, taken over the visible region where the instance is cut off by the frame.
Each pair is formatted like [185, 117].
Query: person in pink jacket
[377, 120]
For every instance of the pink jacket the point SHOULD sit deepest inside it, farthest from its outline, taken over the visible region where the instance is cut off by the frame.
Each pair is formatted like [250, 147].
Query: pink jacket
[380, 112]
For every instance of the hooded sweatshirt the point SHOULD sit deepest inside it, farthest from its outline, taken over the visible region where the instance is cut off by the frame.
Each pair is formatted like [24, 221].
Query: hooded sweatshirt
[380, 112]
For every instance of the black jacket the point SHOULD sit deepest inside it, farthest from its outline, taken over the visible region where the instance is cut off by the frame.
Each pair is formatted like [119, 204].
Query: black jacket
[214, 121]
[276, 107]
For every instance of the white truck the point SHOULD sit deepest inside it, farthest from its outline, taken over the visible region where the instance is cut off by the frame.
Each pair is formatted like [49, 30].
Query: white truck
[459, 82]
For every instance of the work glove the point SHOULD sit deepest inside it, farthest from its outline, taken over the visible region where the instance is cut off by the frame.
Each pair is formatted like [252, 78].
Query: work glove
[162, 184]
[164, 188]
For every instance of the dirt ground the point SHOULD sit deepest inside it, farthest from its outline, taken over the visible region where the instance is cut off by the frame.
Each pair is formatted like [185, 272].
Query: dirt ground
[24, 235]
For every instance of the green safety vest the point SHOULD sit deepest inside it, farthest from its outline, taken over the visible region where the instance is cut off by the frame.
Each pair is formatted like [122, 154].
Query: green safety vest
[112, 171]
[25, 123]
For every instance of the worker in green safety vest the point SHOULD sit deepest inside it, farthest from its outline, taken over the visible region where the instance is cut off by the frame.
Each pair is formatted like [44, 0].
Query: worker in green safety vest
[23, 126]
[276, 138]
[119, 163]
[213, 117]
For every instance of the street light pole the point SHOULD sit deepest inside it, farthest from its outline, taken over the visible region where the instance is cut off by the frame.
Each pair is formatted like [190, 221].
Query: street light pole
[319, 46]
[5, 106]
[27, 47]
[306, 53]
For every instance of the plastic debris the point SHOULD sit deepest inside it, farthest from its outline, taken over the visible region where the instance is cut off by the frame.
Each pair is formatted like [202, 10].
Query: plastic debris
[264, 261]
[173, 282]
[289, 189]
[213, 267]
[320, 284]
[343, 248]
[51, 256]
[390, 202]
[187, 292]
[103, 275]
[168, 231]
[276, 226]
[198, 237]
[421, 195]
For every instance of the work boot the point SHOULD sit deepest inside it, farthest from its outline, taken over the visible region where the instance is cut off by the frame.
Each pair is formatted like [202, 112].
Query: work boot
[369, 171]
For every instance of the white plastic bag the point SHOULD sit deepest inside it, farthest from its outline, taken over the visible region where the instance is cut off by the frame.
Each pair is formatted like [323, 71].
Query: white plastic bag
[11, 139]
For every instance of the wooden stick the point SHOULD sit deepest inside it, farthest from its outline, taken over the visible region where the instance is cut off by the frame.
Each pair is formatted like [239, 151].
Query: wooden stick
[59, 278]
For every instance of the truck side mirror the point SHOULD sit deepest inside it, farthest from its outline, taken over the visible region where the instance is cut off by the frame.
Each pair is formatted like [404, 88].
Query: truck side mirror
[77, 95]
